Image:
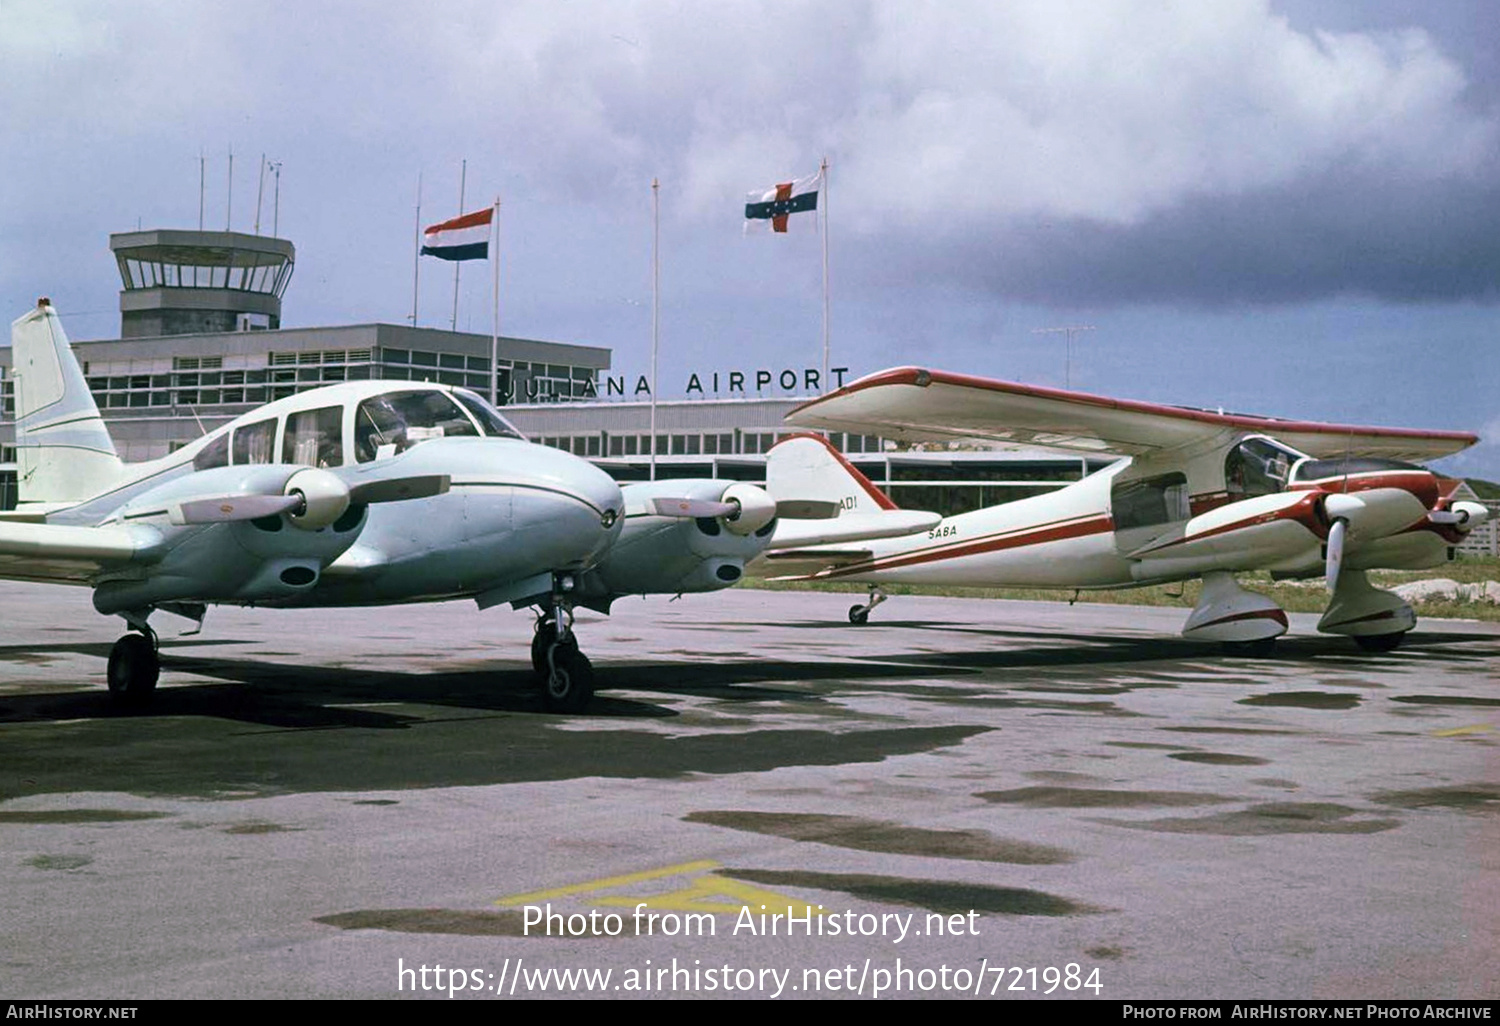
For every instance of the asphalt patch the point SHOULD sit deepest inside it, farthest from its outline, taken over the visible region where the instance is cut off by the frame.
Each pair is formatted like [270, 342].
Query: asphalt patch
[78, 816]
[1270, 818]
[1219, 758]
[1446, 700]
[1303, 700]
[1467, 797]
[208, 757]
[940, 896]
[59, 861]
[884, 836]
[1097, 798]
[465, 922]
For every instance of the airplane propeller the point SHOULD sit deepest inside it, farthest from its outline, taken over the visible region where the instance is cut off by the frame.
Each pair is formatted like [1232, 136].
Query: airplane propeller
[312, 498]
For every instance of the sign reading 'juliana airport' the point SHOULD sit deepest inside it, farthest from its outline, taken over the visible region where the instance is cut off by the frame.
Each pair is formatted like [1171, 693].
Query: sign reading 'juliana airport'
[728, 383]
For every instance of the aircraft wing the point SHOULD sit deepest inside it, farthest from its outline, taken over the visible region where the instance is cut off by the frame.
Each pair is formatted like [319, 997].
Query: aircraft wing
[53, 552]
[915, 404]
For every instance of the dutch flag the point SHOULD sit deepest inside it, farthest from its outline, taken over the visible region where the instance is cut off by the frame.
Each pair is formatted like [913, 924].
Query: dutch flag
[466, 237]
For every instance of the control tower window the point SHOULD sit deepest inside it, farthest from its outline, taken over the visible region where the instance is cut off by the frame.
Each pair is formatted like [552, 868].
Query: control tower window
[1257, 466]
[385, 425]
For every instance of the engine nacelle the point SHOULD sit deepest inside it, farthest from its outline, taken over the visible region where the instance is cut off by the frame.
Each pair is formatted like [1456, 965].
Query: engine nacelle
[324, 496]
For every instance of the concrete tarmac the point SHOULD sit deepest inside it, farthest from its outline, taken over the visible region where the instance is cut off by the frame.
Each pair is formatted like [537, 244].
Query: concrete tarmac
[985, 798]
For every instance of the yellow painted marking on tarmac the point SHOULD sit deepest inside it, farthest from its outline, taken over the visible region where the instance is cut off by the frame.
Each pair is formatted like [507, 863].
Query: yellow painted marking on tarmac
[606, 883]
[697, 896]
[1473, 728]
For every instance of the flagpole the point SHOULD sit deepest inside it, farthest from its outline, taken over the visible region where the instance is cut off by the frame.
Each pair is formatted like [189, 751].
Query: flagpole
[823, 172]
[655, 307]
[462, 178]
[495, 329]
[416, 253]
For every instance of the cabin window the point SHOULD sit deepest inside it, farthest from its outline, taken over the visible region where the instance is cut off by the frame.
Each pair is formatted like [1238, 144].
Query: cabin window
[385, 425]
[1257, 466]
[1149, 501]
[255, 443]
[214, 454]
[315, 438]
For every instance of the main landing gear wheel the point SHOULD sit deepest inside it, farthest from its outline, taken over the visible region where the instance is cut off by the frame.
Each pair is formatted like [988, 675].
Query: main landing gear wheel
[1379, 642]
[133, 669]
[544, 638]
[858, 614]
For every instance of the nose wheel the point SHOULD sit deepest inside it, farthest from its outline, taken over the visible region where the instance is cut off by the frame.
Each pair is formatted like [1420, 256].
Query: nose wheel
[133, 668]
[565, 674]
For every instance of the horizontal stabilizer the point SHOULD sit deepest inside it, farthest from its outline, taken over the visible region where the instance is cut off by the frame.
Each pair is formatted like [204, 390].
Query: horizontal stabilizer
[853, 527]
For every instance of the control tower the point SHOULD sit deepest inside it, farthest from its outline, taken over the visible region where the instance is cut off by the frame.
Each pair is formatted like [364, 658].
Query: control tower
[194, 282]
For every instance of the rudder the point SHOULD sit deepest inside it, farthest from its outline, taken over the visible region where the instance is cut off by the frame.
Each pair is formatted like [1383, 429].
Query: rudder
[63, 450]
[808, 467]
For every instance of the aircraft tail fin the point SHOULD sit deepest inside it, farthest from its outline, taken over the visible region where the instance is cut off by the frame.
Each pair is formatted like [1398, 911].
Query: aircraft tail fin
[808, 467]
[63, 450]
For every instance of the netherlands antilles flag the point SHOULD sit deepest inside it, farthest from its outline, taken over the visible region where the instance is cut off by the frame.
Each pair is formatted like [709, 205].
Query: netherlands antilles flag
[770, 207]
[466, 237]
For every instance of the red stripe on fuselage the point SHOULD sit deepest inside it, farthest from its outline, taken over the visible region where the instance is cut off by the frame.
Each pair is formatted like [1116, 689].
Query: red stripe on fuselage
[1422, 484]
[1304, 512]
[1019, 538]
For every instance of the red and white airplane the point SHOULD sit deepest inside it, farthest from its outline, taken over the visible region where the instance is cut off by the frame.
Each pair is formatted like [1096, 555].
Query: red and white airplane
[1201, 494]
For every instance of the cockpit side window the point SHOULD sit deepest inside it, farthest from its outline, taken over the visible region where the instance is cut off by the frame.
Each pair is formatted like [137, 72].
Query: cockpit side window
[489, 418]
[385, 425]
[214, 454]
[255, 443]
[1149, 502]
[315, 438]
[1257, 466]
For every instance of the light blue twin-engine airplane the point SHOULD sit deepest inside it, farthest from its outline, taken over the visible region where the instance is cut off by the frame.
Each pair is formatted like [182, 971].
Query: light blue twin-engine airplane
[363, 493]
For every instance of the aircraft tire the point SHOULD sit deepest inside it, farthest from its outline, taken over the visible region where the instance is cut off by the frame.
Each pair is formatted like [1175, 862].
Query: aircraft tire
[1379, 642]
[569, 689]
[133, 669]
[859, 615]
[544, 637]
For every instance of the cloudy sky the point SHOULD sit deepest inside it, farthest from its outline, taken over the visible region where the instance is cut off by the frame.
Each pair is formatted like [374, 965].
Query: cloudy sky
[1281, 206]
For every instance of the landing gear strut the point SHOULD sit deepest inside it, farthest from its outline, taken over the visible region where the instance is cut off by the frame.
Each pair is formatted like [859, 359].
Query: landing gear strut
[134, 667]
[860, 614]
[566, 675]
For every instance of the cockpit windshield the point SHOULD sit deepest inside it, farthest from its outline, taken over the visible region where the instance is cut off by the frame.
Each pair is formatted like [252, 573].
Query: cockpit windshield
[1258, 466]
[385, 425]
[489, 418]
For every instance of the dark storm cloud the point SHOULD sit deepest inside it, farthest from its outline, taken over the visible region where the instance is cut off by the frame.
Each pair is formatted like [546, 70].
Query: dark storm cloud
[1304, 241]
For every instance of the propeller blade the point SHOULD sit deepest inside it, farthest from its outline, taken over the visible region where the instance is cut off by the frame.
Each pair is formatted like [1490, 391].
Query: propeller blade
[225, 509]
[398, 489]
[807, 509]
[1335, 552]
[693, 508]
